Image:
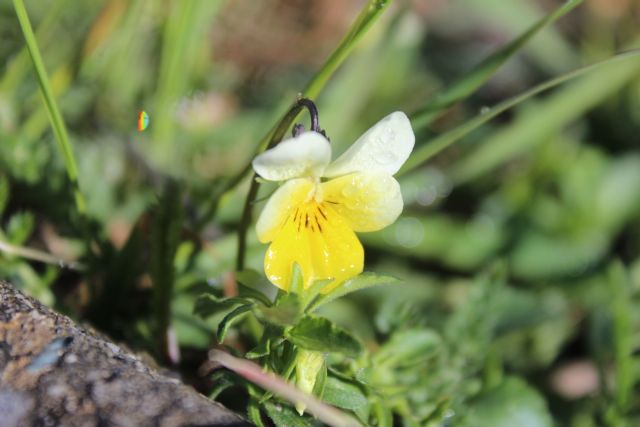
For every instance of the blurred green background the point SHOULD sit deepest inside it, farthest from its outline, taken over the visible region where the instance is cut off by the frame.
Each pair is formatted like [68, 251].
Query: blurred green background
[519, 246]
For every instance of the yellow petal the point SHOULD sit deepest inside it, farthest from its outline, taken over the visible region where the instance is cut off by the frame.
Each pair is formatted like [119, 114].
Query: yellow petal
[366, 201]
[291, 194]
[316, 238]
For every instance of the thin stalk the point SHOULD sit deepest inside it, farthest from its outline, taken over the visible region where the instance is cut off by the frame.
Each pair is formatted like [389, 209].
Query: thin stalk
[369, 14]
[57, 121]
[436, 145]
[622, 336]
[276, 136]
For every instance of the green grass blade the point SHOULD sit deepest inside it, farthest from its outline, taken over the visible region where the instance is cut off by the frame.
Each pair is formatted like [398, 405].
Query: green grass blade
[57, 121]
[436, 145]
[485, 69]
[363, 22]
[622, 334]
[181, 46]
[552, 114]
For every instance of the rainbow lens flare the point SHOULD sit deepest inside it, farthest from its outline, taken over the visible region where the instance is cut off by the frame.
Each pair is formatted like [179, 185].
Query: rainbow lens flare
[143, 121]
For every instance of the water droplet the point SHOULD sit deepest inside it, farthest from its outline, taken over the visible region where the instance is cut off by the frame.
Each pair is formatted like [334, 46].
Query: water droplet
[386, 158]
[485, 110]
[350, 191]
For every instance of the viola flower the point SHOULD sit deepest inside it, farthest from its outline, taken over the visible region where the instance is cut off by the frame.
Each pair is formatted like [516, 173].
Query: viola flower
[311, 219]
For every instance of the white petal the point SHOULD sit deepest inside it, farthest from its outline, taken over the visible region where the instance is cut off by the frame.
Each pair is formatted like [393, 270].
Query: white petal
[383, 148]
[306, 155]
[367, 201]
[280, 205]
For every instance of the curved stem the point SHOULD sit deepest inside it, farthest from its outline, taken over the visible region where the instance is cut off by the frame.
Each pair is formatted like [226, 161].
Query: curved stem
[276, 136]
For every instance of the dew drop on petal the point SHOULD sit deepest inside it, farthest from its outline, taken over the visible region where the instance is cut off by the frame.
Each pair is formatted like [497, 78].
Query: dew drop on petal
[386, 158]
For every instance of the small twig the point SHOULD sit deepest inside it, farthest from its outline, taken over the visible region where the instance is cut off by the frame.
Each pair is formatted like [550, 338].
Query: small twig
[269, 381]
[36, 255]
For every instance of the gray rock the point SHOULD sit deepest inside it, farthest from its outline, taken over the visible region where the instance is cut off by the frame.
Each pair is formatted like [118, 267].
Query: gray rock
[56, 373]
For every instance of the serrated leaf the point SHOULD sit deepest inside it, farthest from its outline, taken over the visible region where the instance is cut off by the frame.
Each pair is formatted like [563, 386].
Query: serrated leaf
[362, 281]
[512, 403]
[320, 334]
[230, 319]
[285, 416]
[270, 335]
[408, 347]
[344, 394]
[207, 305]
[285, 312]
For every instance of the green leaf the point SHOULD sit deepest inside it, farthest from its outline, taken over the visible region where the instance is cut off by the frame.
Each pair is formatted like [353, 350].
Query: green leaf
[285, 312]
[408, 347]
[231, 318]
[285, 416]
[319, 334]
[20, 227]
[383, 415]
[321, 381]
[270, 335]
[252, 284]
[512, 403]
[362, 281]
[475, 78]
[254, 414]
[222, 380]
[343, 394]
[207, 305]
[312, 293]
[296, 285]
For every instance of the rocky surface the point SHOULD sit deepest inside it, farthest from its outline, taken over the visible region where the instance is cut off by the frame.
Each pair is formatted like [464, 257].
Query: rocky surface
[56, 373]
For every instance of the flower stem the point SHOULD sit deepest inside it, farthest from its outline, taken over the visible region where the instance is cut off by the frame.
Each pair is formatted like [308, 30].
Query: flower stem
[52, 108]
[276, 136]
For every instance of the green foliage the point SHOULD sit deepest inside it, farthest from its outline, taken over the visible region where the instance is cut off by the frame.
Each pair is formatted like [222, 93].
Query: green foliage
[319, 334]
[511, 403]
